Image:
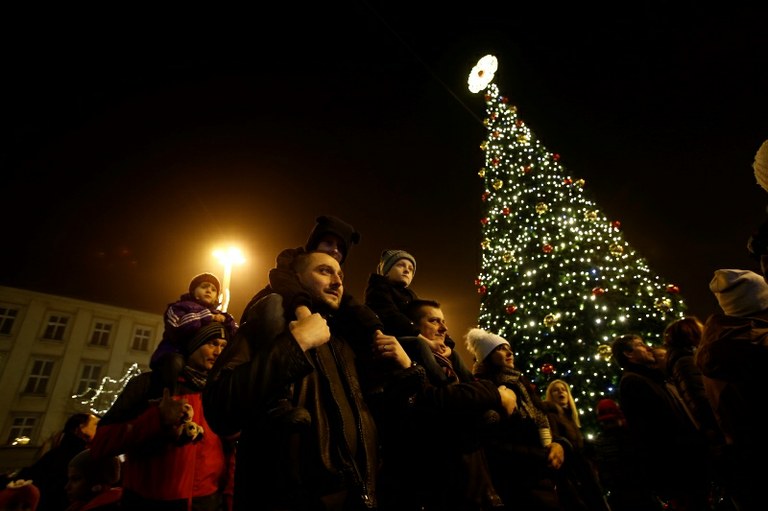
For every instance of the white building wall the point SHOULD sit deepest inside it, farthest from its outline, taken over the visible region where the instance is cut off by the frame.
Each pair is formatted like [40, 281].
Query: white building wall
[25, 343]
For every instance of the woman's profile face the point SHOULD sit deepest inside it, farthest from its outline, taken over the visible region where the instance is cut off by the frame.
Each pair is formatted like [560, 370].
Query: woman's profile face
[502, 357]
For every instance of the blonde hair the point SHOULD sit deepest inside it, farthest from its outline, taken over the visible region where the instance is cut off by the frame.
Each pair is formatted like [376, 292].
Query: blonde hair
[572, 410]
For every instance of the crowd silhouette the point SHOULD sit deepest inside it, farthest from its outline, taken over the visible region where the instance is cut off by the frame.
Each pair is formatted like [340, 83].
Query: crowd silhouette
[317, 401]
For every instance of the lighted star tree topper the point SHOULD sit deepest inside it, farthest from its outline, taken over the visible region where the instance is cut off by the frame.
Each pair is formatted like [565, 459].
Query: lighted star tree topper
[558, 280]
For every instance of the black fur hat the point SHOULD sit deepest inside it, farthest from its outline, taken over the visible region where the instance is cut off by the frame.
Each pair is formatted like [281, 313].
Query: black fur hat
[328, 224]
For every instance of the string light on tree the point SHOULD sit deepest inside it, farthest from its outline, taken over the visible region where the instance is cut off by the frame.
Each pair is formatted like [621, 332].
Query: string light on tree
[100, 399]
[573, 283]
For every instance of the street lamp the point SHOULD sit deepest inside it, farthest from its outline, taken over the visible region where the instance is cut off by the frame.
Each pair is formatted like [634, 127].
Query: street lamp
[227, 258]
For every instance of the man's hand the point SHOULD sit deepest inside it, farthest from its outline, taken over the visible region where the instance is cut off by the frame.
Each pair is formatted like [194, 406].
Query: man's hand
[311, 331]
[508, 399]
[556, 455]
[387, 346]
[302, 311]
[172, 411]
[219, 318]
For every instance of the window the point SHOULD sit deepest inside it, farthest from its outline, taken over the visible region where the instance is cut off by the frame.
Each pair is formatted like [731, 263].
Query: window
[100, 333]
[39, 376]
[55, 328]
[22, 428]
[7, 318]
[141, 338]
[90, 378]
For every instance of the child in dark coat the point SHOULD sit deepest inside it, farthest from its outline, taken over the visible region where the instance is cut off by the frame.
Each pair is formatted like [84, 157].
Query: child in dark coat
[389, 296]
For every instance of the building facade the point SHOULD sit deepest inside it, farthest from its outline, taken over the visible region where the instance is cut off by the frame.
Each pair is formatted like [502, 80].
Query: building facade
[60, 356]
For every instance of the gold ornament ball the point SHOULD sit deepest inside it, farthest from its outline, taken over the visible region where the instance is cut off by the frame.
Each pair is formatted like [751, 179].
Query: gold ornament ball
[616, 250]
[604, 350]
[481, 172]
[550, 320]
[663, 304]
[506, 257]
[541, 208]
[498, 184]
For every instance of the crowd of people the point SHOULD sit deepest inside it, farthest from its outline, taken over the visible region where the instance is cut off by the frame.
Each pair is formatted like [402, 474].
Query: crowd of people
[315, 400]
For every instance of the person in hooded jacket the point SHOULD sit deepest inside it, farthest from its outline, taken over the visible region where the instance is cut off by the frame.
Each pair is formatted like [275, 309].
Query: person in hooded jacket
[733, 359]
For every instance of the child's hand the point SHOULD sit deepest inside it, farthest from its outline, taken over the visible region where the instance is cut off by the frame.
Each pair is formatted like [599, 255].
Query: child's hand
[219, 318]
[387, 346]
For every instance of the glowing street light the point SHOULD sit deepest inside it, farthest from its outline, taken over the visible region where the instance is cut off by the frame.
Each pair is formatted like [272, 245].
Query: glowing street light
[227, 258]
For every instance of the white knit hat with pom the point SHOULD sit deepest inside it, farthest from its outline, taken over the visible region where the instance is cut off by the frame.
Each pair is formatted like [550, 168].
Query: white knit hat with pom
[761, 166]
[481, 343]
[740, 292]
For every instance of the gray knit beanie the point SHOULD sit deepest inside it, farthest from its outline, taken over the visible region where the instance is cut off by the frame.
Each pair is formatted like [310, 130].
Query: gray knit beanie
[390, 257]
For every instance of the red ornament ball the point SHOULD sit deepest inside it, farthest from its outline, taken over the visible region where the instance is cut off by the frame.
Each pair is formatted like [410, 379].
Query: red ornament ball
[478, 282]
[547, 249]
[567, 180]
[505, 211]
[485, 196]
[555, 156]
[547, 368]
[484, 220]
[616, 224]
[673, 289]
[511, 309]
[482, 290]
[598, 291]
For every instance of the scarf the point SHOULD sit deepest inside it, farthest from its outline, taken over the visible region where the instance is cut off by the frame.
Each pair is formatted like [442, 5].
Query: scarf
[196, 379]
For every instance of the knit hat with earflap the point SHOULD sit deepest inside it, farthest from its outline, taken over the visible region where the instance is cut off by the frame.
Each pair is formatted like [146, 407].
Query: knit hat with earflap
[608, 409]
[390, 257]
[328, 224]
[204, 277]
[481, 343]
[214, 330]
[740, 292]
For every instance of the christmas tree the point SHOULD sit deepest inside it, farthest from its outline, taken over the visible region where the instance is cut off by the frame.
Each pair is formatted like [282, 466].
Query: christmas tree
[558, 280]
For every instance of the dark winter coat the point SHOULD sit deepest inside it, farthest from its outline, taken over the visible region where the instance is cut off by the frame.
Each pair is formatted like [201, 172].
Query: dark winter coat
[683, 373]
[432, 455]
[577, 481]
[280, 468]
[517, 459]
[389, 301]
[733, 358]
[670, 449]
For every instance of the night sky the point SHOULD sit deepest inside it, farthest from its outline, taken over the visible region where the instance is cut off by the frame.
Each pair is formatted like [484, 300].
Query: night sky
[138, 142]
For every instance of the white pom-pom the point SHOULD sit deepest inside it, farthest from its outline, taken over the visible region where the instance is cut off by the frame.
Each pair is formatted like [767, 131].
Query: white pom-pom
[761, 166]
